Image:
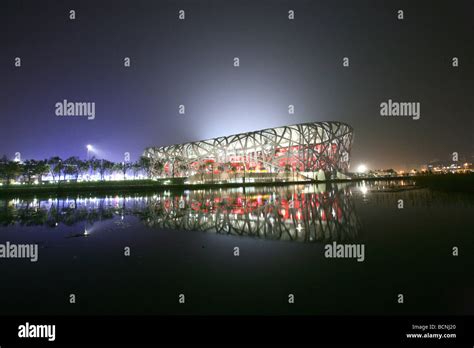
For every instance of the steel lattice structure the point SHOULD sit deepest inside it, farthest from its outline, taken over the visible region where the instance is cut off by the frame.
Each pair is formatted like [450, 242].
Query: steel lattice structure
[307, 147]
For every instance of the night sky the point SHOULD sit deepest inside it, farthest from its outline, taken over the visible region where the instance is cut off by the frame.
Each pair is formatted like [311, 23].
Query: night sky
[282, 62]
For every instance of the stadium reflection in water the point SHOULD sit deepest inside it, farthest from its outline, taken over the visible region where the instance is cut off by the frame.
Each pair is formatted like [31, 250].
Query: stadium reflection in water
[307, 213]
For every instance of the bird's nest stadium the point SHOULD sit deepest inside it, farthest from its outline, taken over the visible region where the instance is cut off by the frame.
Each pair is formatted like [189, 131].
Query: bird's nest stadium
[300, 152]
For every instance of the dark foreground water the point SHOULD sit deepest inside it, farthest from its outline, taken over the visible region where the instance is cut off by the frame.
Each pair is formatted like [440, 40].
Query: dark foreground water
[183, 243]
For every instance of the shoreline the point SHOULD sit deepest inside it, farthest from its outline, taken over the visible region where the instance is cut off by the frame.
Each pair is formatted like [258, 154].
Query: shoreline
[454, 182]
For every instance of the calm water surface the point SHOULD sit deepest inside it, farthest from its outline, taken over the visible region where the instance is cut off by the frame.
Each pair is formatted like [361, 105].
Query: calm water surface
[183, 243]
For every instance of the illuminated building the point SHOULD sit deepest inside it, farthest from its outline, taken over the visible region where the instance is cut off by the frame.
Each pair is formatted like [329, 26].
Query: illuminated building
[318, 150]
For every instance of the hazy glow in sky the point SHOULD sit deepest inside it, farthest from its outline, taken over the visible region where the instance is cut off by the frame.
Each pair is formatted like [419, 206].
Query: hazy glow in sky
[190, 62]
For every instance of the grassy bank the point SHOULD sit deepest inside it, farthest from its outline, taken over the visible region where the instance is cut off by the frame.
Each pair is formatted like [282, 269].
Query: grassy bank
[121, 187]
[90, 186]
[448, 182]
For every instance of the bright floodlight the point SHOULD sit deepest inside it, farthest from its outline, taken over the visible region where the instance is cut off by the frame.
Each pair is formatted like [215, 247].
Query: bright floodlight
[89, 147]
[362, 168]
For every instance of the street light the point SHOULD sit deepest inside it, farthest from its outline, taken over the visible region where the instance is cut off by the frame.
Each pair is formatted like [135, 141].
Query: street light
[362, 168]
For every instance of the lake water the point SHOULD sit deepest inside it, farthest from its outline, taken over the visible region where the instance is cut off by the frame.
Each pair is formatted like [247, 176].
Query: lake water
[184, 243]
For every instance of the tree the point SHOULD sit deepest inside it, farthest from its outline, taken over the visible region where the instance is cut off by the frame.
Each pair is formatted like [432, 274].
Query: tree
[104, 167]
[287, 170]
[33, 168]
[55, 167]
[297, 173]
[234, 170]
[144, 164]
[179, 166]
[135, 168]
[183, 168]
[72, 167]
[211, 164]
[123, 167]
[42, 168]
[84, 167]
[28, 169]
[9, 169]
[158, 167]
[202, 170]
[94, 165]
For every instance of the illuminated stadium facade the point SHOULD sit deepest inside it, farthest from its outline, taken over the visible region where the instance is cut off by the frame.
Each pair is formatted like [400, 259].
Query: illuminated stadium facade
[318, 150]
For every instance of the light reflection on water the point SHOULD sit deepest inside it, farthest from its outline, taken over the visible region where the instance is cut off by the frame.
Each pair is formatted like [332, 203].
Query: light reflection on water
[408, 249]
[307, 213]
